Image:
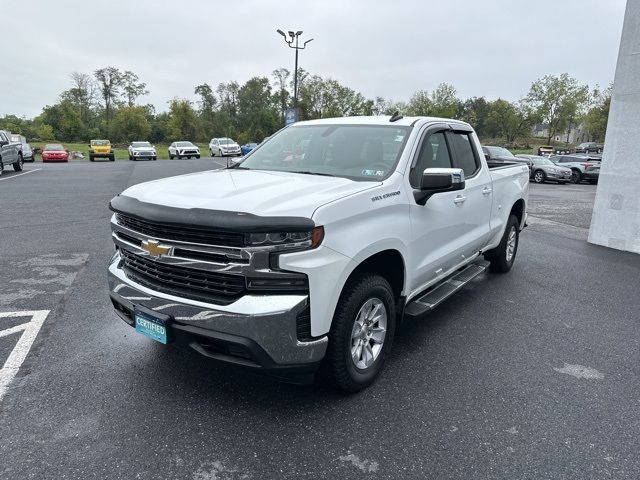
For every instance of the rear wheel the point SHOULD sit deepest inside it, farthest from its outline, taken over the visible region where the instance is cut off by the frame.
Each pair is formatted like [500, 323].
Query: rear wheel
[539, 176]
[17, 166]
[361, 333]
[502, 257]
[576, 176]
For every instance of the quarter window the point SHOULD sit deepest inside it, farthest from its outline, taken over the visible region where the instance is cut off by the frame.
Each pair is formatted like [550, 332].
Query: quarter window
[433, 154]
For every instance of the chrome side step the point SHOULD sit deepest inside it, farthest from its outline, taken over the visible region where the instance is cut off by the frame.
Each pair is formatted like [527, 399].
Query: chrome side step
[438, 294]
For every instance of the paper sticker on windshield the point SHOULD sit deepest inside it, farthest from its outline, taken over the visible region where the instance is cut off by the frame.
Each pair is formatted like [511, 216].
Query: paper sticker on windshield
[373, 173]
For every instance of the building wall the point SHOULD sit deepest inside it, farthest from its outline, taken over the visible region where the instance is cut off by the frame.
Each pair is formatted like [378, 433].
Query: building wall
[616, 212]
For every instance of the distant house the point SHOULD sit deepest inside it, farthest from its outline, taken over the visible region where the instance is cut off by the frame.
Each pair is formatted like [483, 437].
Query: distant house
[575, 133]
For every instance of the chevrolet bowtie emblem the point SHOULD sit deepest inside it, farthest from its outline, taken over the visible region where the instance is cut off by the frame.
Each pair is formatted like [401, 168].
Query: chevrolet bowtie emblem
[154, 249]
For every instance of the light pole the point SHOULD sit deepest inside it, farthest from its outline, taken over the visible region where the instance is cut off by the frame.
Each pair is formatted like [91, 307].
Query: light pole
[290, 40]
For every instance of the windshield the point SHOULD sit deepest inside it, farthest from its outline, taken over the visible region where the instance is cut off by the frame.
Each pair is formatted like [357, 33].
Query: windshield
[357, 152]
[184, 144]
[54, 147]
[141, 145]
[226, 141]
[498, 152]
[100, 142]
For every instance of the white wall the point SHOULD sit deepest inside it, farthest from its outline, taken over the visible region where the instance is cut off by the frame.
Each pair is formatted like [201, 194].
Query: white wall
[616, 213]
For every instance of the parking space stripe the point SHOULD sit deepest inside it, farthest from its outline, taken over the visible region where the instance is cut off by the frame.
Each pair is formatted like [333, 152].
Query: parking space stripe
[19, 174]
[17, 356]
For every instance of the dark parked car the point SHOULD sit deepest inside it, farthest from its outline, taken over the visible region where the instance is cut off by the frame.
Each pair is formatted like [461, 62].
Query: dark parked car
[588, 147]
[543, 170]
[499, 156]
[592, 173]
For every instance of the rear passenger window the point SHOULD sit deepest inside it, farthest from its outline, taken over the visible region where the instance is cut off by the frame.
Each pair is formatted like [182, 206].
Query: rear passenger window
[433, 154]
[464, 157]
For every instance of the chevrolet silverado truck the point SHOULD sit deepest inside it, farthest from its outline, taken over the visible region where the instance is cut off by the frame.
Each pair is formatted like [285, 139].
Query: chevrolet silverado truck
[10, 152]
[309, 252]
[101, 149]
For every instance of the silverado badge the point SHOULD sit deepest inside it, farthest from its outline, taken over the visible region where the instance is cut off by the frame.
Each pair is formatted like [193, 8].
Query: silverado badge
[154, 249]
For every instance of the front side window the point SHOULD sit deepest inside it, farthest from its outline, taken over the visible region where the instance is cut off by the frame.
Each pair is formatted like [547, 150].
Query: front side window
[434, 153]
[356, 152]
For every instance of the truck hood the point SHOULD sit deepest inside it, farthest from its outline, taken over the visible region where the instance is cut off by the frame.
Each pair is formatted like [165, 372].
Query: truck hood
[258, 192]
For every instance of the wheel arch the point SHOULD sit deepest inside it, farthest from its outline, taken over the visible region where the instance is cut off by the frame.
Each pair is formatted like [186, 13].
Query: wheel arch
[388, 263]
[518, 210]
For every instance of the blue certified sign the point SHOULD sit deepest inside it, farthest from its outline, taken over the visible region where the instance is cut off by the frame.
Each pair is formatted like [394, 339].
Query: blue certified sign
[151, 327]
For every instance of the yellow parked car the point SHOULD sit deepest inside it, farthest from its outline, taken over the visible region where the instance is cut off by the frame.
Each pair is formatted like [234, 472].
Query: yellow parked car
[101, 149]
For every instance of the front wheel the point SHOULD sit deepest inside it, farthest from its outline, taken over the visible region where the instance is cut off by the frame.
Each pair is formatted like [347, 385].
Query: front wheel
[361, 333]
[17, 166]
[91, 159]
[112, 158]
[538, 176]
[502, 257]
[197, 156]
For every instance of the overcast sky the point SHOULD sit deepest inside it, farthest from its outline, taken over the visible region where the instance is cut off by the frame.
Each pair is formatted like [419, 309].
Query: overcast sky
[390, 48]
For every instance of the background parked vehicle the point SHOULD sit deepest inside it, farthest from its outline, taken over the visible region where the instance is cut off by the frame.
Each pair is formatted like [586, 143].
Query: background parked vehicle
[592, 174]
[247, 147]
[101, 149]
[545, 150]
[10, 152]
[27, 151]
[588, 147]
[183, 150]
[54, 152]
[577, 163]
[543, 169]
[142, 151]
[224, 147]
[500, 156]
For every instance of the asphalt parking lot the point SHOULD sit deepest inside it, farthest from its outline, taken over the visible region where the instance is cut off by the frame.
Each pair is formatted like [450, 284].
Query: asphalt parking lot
[529, 375]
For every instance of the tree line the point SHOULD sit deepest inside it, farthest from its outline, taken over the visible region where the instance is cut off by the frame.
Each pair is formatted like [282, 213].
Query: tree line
[106, 104]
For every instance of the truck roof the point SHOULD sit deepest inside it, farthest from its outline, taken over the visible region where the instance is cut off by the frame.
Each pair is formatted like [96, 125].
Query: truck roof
[377, 120]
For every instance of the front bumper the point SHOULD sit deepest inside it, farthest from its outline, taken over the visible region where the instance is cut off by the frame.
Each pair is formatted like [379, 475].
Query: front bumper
[257, 331]
[559, 176]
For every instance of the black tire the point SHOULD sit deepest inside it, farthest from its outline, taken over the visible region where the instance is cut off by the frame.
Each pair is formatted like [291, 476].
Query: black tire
[91, 158]
[189, 157]
[17, 166]
[210, 153]
[112, 158]
[500, 260]
[576, 176]
[539, 176]
[197, 156]
[1, 167]
[593, 182]
[339, 367]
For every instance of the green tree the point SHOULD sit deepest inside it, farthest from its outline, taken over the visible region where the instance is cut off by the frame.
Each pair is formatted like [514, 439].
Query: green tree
[130, 124]
[256, 112]
[110, 81]
[132, 87]
[183, 120]
[444, 101]
[557, 100]
[595, 121]
[475, 111]
[419, 104]
[508, 120]
[281, 77]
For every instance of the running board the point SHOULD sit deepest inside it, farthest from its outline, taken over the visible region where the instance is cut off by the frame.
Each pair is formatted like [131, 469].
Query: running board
[438, 294]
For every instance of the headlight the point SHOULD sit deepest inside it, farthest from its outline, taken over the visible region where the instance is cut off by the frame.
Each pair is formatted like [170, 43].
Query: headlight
[286, 240]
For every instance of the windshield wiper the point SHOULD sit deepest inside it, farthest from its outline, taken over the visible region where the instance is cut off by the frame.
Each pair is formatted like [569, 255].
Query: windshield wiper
[306, 172]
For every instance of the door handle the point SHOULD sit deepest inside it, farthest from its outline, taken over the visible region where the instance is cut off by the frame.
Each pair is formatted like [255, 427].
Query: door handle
[459, 199]
[486, 191]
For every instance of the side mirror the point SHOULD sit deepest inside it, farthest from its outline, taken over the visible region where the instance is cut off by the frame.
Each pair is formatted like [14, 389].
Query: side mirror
[438, 180]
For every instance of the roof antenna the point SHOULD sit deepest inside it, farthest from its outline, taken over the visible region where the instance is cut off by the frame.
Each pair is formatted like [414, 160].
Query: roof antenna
[396, 116]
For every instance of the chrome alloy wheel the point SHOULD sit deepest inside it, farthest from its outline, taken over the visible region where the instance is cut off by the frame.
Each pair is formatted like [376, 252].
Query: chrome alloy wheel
[368, 333]
[511, 244]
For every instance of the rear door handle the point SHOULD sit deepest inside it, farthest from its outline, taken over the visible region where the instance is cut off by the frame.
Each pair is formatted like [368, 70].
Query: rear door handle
[486, 191]
[459, 199]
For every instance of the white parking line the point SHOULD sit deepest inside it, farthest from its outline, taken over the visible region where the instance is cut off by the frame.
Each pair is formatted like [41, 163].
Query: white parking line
[30, 331]
[20, 174]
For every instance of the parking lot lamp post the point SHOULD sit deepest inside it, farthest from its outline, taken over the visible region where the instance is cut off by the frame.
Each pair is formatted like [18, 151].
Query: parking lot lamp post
[292, 41]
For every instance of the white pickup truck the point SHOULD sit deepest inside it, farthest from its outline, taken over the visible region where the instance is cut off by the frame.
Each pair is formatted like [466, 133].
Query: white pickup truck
[310, 251]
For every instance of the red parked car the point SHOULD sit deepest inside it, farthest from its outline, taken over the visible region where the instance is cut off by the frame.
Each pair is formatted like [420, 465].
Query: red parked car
[54, 152]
